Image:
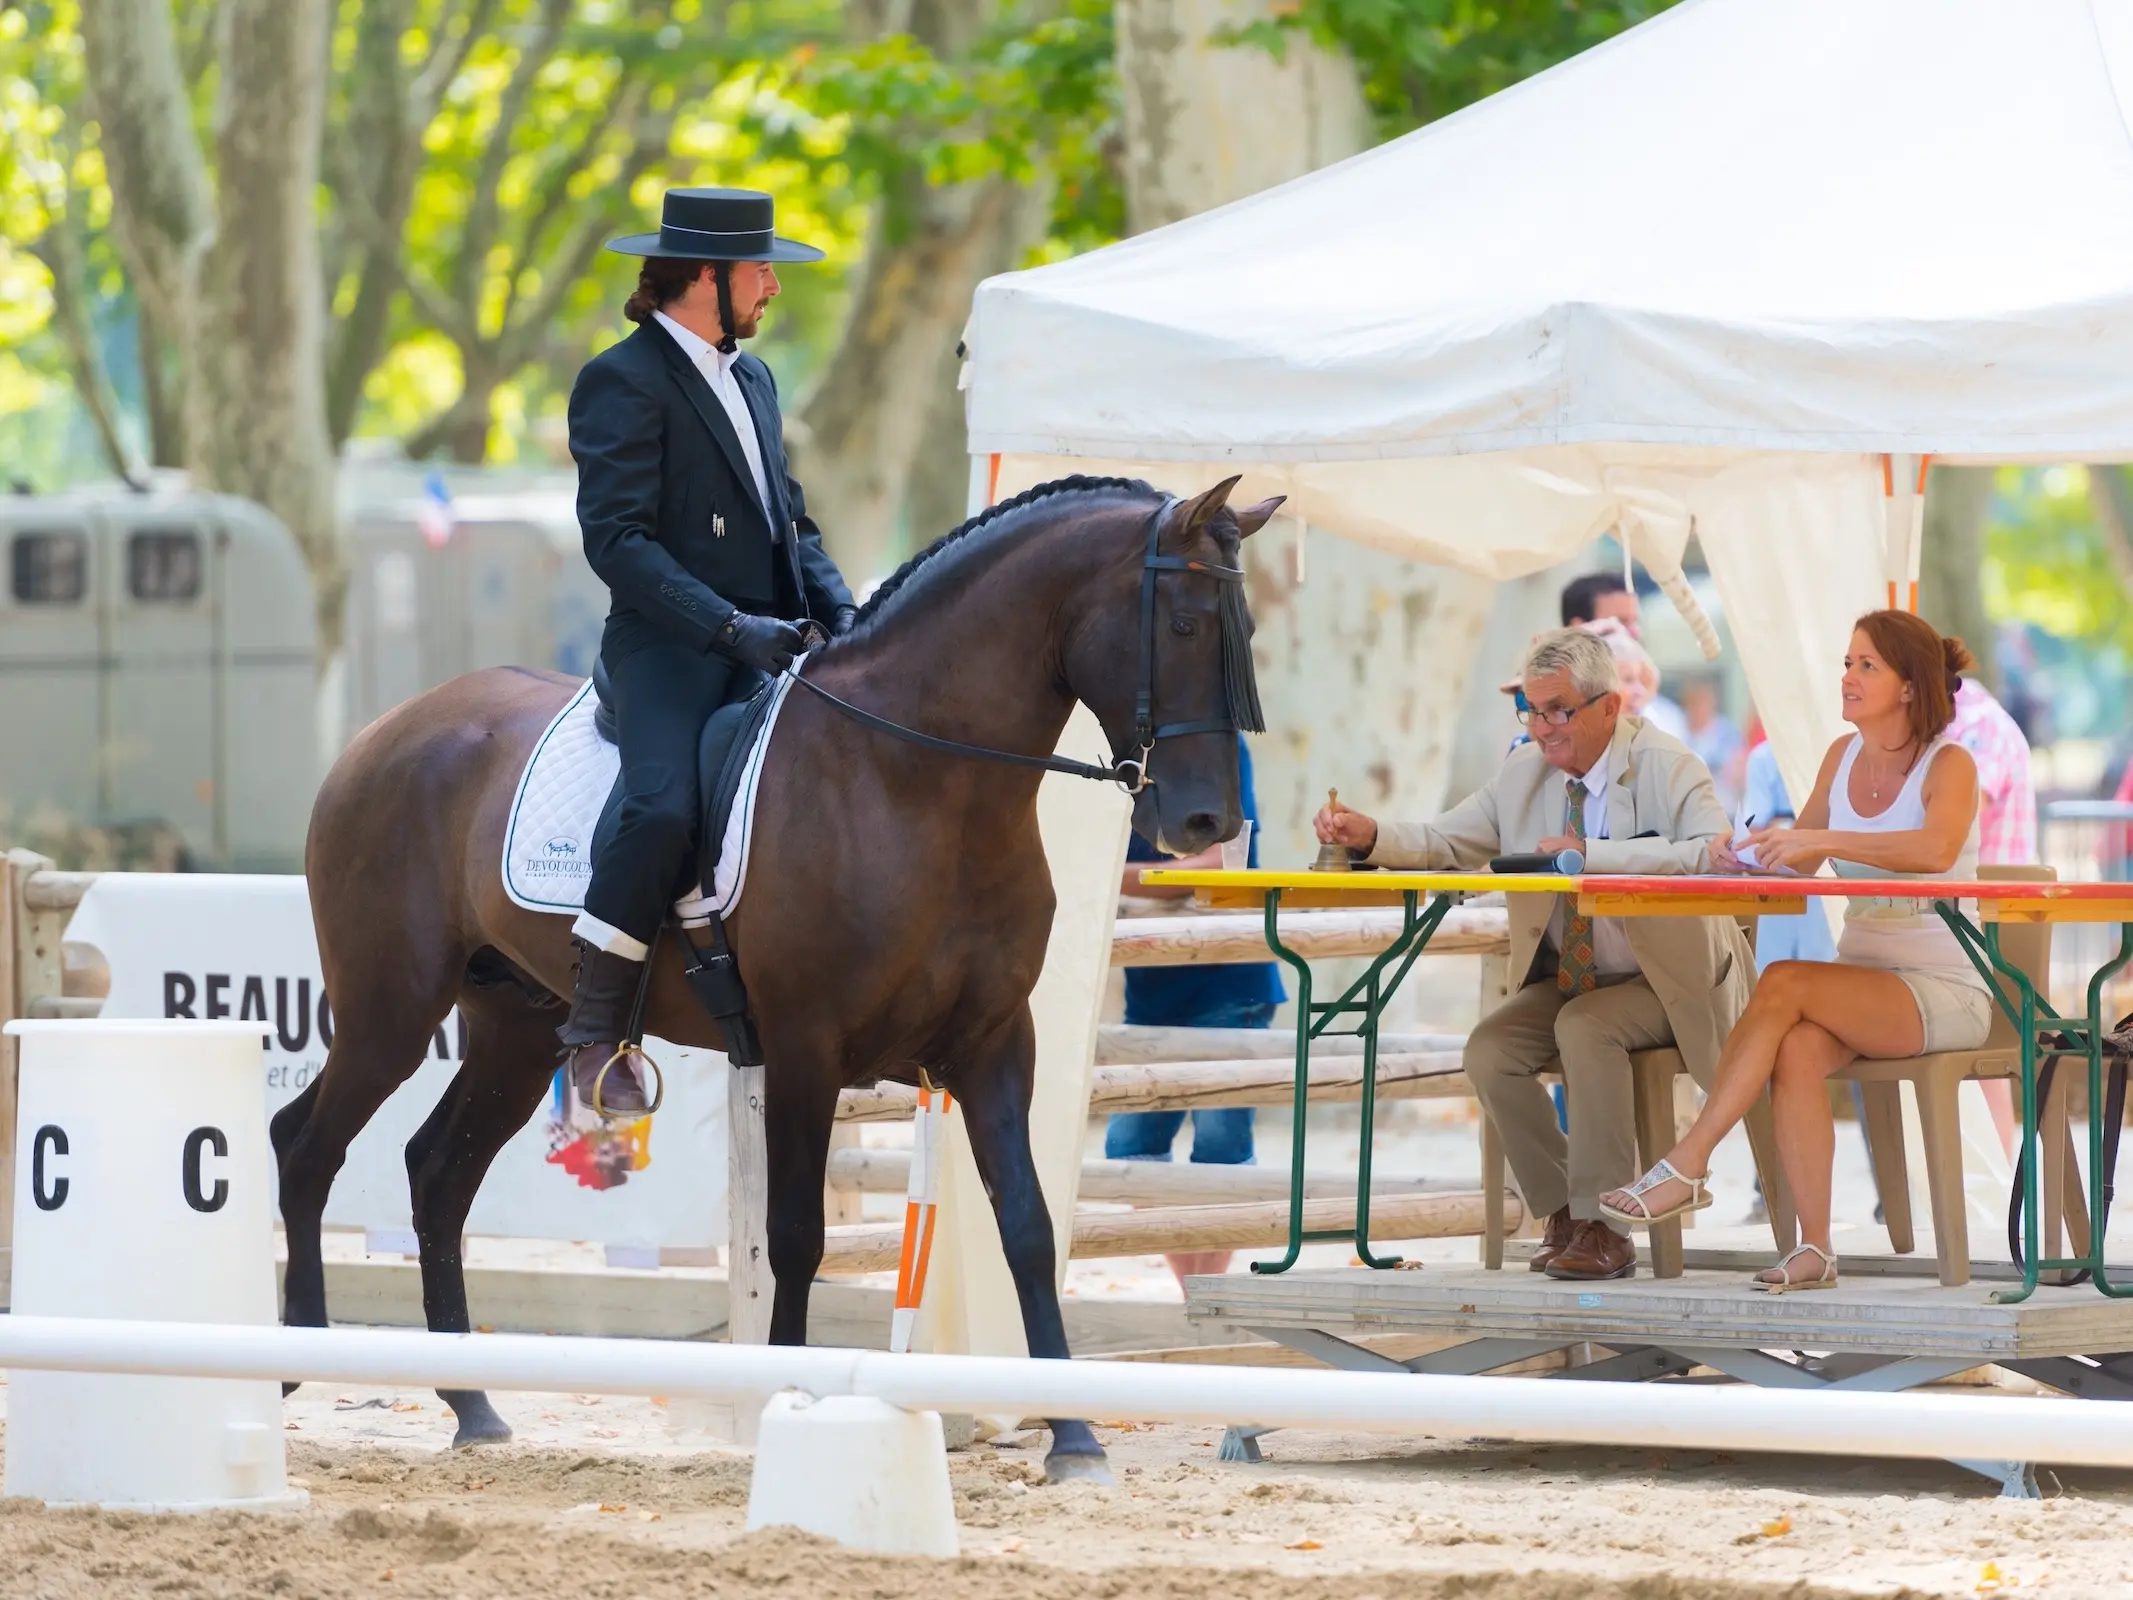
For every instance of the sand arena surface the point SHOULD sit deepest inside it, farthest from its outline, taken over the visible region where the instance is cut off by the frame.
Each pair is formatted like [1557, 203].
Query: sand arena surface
[611, 1502]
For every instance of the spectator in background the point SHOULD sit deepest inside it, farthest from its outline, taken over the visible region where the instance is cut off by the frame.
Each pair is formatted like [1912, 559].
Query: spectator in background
[2007, 799]
[2006, 825]
[1604, 597]
[1243, 994]
[1714, 738]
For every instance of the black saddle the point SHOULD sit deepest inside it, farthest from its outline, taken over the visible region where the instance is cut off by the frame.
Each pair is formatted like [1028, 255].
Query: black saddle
[721, 759]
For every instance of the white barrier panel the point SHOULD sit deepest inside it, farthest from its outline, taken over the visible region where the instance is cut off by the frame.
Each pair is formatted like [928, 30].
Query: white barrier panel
[210, 945]
[1925, 1427]
[142, 1189]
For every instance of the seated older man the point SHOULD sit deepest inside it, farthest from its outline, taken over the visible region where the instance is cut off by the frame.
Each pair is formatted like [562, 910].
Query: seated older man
[1634, 800]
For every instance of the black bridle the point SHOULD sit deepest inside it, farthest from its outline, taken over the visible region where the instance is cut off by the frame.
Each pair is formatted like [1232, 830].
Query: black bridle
[1128, 772]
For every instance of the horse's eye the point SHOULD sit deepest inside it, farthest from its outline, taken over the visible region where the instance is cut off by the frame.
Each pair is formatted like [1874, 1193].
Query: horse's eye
[1184, 627]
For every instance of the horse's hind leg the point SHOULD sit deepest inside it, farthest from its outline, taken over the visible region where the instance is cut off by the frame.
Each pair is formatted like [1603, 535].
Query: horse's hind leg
[384, 1032]
[995, 1091]
[511, 1058]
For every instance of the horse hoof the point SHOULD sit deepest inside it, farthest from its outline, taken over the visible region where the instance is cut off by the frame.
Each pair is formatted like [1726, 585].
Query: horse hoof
[1063, 1466]
[478, 1421]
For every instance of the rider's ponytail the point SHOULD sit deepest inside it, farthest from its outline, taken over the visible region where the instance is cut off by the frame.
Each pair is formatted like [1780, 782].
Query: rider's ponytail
[661, 281]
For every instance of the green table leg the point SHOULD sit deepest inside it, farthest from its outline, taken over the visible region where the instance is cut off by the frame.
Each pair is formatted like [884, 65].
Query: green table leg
[2099, 1216]
[1365, 998]
[2032, 1014]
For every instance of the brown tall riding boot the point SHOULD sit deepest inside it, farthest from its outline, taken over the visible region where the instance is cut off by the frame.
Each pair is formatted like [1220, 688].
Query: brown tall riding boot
[598, 1024]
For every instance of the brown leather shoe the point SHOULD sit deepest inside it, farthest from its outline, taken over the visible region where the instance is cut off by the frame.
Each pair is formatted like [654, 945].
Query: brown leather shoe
[1595, 1251]
[1555, 1237]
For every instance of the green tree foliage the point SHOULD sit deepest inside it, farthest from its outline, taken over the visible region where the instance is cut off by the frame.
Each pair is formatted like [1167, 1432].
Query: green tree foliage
[1423, 59]
[2056, 556]
[478, 152]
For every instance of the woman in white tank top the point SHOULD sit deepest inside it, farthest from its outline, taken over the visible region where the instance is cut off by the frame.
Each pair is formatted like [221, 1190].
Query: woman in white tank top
[1895, 799]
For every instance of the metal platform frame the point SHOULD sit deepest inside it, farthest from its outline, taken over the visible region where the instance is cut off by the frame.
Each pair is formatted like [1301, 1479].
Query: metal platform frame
[1881, 1336]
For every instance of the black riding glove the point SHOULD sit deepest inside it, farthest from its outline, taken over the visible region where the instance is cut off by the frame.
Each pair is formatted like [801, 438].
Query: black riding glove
[764, 643]
[841, 622]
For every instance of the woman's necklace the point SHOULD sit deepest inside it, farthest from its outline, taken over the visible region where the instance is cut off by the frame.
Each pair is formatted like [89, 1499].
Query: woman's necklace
[1874, 783]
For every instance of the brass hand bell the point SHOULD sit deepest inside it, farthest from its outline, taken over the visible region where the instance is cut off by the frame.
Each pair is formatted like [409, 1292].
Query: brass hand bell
[1333, 857]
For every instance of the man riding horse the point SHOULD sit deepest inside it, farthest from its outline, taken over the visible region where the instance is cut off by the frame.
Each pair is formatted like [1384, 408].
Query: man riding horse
[696, 526]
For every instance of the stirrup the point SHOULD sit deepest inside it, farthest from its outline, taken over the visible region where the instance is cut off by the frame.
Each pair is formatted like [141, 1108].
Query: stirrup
[659, 1080]
[1663, 1171]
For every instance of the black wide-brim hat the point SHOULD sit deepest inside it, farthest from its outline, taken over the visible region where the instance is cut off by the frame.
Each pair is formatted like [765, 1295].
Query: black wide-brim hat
[716, 225]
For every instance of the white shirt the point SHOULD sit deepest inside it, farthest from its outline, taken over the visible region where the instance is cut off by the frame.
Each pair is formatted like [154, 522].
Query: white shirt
[717, 368]
[1611, 955]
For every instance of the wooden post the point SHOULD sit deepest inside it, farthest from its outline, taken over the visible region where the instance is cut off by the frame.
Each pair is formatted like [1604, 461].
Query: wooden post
[32, 983]
[842, 1206]
[10, 1008]
[748, 1282]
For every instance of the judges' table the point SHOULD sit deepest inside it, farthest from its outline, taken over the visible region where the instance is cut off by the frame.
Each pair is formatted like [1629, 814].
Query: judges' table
[1973, 911]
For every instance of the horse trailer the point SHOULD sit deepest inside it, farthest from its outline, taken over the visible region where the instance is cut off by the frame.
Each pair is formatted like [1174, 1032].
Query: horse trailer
[157, 666]
[157, 648]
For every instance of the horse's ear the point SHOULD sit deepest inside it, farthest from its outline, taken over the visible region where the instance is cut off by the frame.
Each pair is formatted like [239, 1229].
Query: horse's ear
[1252, 518]
[1197, 512]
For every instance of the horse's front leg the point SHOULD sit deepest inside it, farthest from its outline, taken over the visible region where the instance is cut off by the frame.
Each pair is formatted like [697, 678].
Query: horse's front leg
[995, 1088]
[800, 1105]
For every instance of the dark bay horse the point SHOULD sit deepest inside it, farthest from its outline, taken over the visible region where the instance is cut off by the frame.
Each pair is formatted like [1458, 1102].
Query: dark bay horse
[898, 905]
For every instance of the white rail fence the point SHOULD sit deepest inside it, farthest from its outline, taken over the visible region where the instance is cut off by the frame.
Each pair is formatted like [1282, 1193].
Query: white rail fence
[44, 974]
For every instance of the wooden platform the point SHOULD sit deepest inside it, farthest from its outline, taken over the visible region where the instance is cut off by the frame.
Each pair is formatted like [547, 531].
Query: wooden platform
[1870, 1315]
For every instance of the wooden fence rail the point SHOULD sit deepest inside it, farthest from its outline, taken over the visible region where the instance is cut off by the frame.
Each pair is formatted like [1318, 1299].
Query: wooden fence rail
[874, 1247]
[1201, 1085]
[1143, 1183]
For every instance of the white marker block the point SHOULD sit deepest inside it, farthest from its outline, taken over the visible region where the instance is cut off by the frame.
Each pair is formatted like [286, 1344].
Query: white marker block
[143, 1190]
[860, 1471]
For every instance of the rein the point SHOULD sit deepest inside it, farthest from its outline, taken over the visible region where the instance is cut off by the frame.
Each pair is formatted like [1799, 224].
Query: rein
[1129, 772]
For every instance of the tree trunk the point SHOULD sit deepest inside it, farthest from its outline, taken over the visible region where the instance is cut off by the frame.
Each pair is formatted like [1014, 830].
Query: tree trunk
[1951, 571]
[162, 388]
[937, 492]
[1207, 123]
[376, 166]
[865, 420]
[1364, 659]
[61, 251]
[162, 211]
[461, 431]
[258, 417]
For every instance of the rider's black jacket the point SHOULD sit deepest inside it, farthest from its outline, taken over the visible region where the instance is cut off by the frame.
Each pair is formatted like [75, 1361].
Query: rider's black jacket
[668, 507]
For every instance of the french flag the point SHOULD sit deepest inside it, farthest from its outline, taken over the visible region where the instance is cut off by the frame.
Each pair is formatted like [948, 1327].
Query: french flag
[434, 515]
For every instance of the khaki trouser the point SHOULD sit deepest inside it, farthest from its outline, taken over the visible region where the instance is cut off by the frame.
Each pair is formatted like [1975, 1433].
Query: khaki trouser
[1588, 1039]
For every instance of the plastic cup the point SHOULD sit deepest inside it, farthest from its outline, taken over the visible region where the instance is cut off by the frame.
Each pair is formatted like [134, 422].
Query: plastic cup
[1237, 852]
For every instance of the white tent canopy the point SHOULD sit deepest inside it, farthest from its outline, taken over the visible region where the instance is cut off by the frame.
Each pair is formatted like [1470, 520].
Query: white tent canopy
[1736, 269]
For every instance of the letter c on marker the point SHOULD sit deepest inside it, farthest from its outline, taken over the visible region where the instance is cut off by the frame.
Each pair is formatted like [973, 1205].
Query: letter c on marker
[53, 1139]
[211, 1138]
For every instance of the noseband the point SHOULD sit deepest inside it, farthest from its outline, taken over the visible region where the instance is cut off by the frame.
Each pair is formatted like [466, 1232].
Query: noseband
[1128, 772]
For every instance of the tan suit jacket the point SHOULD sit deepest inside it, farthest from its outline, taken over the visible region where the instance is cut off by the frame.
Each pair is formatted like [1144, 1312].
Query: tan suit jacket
[1701, 968]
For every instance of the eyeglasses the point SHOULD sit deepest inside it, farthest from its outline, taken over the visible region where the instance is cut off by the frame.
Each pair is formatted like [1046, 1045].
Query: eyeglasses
[1554, 716]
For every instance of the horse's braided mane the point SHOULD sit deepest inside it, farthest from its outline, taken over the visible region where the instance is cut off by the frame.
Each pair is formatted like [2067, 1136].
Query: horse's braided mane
[898, 580]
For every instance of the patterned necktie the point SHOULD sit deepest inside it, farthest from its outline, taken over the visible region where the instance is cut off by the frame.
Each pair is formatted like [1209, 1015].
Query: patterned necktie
[1575, 971]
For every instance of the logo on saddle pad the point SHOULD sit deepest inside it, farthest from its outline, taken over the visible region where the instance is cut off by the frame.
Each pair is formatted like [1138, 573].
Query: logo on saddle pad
[558, 858]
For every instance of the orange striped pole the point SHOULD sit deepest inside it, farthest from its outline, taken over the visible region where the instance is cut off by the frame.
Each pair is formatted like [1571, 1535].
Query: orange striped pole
[921, 1206]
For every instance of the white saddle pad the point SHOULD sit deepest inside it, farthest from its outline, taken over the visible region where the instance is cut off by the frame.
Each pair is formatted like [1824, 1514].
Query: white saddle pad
[548, 843]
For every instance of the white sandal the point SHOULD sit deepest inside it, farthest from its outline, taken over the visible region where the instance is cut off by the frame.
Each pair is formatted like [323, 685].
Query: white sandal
[1784, 1284]
[1644, 1216]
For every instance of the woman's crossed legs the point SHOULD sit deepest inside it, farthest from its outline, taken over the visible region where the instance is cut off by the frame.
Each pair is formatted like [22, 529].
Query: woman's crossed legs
[1806, 1020]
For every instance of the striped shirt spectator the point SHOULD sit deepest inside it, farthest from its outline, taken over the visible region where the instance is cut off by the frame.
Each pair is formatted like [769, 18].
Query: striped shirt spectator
[2007, 801]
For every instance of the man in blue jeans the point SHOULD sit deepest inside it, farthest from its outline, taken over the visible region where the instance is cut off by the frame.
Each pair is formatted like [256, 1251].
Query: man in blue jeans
[1240, 995]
